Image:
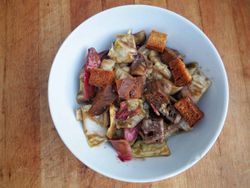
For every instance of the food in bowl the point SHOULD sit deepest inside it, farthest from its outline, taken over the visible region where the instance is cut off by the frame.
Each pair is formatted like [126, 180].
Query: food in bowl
[139, 92]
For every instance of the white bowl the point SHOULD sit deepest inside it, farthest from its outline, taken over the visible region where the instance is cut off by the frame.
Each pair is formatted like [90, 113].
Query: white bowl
[99, 31]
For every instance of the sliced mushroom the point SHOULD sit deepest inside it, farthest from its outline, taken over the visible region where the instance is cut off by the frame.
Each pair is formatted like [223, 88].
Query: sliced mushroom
[140, 37]
[138, 67]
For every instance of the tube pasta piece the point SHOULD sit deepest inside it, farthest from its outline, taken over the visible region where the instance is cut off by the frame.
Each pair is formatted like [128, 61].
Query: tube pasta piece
[144, 51]
[95, 134]
[162, 69]
[112, 127]
[154, 56]
[141, 150]
[199, 85]
[108, 64]
[95, 139]
[121, 72]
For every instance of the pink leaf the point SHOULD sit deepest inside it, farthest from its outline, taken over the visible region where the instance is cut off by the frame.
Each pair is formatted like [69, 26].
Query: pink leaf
[155, 109]
[123, 149]
[93, 59]
[88, 89]
[130, 134]
[123, 113]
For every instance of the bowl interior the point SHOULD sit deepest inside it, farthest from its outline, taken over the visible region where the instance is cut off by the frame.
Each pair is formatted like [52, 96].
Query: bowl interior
[99, 32]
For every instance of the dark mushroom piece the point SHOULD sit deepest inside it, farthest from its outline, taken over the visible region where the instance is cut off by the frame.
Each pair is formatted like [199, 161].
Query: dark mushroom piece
[138, 67]
[102, 100]
[140, 37]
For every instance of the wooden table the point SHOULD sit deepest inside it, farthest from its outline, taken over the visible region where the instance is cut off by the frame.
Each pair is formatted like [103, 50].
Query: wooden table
[31, 152]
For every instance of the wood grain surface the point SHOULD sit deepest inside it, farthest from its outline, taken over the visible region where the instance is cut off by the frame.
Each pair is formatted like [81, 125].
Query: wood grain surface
[31, 152]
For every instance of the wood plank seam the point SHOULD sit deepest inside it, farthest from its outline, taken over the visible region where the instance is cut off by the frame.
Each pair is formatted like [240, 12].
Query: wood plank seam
[166, 2]
[3, 103]
[241, 58]
[200, 14]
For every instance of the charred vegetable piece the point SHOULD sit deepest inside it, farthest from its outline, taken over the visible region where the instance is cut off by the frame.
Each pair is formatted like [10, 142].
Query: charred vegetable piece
[163, 86]
[180, 73]
[102, 100]
[152, 131]
[169, 111]
[131, 121]
[189, 111]
[126, 111]
[168, 55]
[108, 64]
[161, 104]
[158, 66]
[141, 150]
[144, 51]
[95, 139]
[154, 56]
[199, 85]
[124, 49]
[131, 113]
[123, 113]
[184, 125]
[137, 89]
[102, 119]
[122, 72]
[155, 99]
[138, 66]
[118, 134]
[123, 149]
[162, 69]
[131, 87]
[124, 86]
[140, 37]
